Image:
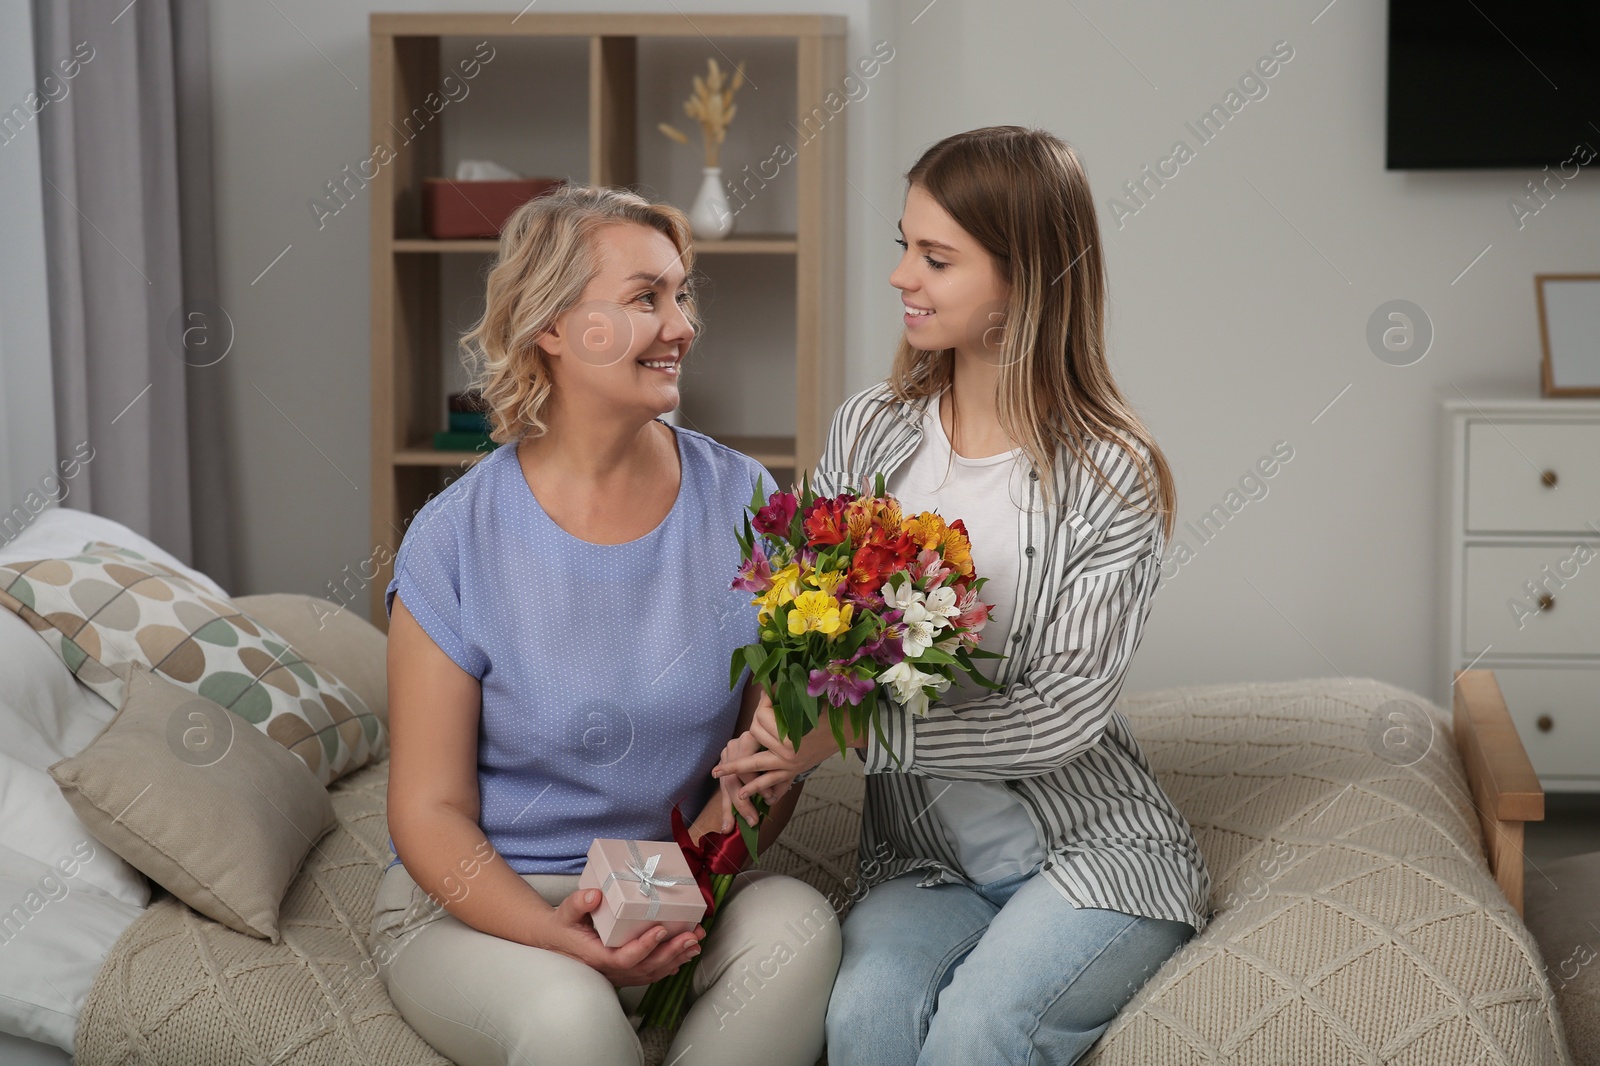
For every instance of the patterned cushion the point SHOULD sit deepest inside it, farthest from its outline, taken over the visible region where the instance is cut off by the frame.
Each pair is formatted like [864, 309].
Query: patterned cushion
[110, 607]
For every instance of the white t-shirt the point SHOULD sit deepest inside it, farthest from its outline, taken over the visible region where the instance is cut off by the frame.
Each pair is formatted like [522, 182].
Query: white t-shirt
[991, 830]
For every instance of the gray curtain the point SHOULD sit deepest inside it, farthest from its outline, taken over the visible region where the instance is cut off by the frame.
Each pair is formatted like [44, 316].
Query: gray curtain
[136, 335]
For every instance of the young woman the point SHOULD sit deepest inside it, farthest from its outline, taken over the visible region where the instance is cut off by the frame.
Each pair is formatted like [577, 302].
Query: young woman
[1037, 874]
[561, 624]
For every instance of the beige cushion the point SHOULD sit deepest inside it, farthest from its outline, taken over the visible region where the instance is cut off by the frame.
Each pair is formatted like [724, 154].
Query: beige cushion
[179, 988]
[215, 812]
[332, 636]
[1363, 925]
[110, 607]
[1357, 920]
[1562, 905]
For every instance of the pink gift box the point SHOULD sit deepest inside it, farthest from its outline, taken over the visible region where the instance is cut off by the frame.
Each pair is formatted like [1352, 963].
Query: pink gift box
[645, 883]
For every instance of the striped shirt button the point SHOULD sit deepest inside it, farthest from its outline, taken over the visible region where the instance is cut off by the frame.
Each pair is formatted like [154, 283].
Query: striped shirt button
[1029, 552]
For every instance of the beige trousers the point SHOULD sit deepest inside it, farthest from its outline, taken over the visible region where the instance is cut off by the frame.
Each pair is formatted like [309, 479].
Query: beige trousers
[759, 993]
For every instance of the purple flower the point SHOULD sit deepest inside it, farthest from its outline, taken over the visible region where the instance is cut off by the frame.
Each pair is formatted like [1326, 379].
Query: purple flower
[840, 688]
[886, 648]
[756, 574]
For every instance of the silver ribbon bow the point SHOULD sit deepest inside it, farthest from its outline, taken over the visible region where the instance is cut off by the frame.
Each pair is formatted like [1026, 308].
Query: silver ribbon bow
[642, 872]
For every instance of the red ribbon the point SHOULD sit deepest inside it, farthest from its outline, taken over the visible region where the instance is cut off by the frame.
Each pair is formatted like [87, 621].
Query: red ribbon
[716, 853]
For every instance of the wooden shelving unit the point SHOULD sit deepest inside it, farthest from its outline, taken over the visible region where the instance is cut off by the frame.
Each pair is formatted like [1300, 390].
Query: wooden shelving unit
[407, 370]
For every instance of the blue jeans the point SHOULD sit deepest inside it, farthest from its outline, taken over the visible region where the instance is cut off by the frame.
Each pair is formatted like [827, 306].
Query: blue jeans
[1008, 973]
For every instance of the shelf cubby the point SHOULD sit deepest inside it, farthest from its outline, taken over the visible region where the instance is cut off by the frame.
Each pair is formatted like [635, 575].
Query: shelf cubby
[579, 96]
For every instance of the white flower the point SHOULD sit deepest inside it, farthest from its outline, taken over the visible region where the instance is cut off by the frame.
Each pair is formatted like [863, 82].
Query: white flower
[942, 605]
[905, 683]
[920, 629]
[901, 595]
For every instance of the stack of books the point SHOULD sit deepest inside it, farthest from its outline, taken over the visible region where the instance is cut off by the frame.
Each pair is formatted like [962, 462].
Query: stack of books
[469, 425]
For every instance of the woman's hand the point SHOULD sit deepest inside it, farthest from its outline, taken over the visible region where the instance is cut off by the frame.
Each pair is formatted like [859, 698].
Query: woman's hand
[717, 817]
[643, 960]
[772, 772]
[731, 784]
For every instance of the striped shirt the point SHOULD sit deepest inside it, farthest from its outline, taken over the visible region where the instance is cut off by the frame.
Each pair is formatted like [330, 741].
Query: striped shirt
[1053, 735]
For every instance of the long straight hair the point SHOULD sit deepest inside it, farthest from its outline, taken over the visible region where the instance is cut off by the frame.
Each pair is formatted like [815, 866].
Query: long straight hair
[1024, 196]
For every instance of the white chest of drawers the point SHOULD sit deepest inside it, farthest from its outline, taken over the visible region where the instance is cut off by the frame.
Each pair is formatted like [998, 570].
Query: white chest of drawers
[1520, 571]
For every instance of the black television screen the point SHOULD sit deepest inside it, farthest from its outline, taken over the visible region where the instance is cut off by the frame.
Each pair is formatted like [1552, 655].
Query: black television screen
[1492, 83]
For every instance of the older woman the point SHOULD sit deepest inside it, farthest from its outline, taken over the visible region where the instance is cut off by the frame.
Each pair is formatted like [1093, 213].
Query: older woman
[561, 625]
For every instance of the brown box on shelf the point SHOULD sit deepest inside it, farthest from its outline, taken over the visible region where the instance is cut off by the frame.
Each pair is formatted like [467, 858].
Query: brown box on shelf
[453, 210]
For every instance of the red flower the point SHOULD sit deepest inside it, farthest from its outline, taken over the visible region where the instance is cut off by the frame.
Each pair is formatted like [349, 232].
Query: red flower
[774, 518]
[825, 522]
[879, 557]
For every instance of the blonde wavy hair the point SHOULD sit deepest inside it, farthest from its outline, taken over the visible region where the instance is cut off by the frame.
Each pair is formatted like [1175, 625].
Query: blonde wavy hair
[1024, 196]
[548, 256]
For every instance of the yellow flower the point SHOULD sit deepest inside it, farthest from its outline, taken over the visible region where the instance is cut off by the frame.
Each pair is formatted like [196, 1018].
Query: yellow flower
[957, 551]
[826, 580]
[819, 612]
[926, 529]
[785, 585]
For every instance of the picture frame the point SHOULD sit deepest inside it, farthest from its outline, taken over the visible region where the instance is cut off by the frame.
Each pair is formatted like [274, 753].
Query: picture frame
[1569, 333]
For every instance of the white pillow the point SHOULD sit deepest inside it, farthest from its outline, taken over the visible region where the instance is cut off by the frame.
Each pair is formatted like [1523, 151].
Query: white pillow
[61, 531]
[53, 939]
[47, 715]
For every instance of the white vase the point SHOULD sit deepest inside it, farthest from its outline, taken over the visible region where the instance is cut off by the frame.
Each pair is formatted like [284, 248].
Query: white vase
[711, 217]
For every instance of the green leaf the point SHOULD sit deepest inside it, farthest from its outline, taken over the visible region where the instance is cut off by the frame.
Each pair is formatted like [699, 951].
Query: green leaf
[751, 834]
[846, 645]
[877, 484]
[877, 725]
[786, 708]
[754, 656]
[934, 655]
[769, 663]
[836, 723]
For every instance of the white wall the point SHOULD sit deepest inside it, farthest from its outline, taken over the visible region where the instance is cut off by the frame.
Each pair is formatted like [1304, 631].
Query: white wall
[1240, 293]
[1230, 330]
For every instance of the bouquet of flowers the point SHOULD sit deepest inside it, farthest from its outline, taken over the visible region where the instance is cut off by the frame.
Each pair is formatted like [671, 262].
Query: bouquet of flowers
[855, 596]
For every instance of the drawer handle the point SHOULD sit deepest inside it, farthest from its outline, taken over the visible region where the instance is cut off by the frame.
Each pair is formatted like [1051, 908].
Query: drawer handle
[1549, 478]
[1547, 602]
[1544, 723]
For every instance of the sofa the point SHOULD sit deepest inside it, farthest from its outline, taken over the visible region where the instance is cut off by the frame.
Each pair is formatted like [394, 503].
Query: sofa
[1366, 903]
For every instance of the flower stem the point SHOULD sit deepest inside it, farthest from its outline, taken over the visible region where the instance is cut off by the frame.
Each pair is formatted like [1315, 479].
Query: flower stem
[663, 1004]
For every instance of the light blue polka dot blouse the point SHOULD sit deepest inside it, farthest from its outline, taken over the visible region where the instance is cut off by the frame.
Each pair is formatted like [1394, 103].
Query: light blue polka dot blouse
[604, 667]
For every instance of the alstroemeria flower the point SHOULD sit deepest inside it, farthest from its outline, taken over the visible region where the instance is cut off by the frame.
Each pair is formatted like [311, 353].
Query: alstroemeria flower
[900, 594]
[826, 580]
[906, 683]
[756, 573]
[885, 648]
[820, 613]
[941, 604]
[839, 686]
[774, 519]
[920, 629]
[824, 522]
[971, 615]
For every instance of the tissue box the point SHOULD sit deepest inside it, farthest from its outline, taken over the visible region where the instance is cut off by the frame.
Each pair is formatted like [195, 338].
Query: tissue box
[470, 209]
[645, 883]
